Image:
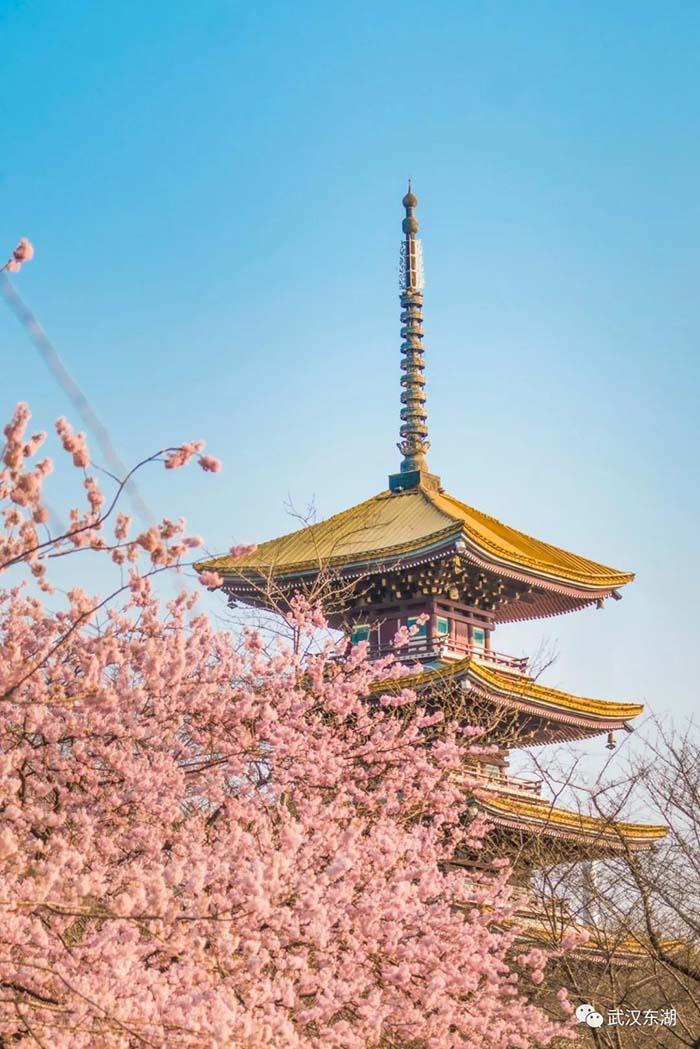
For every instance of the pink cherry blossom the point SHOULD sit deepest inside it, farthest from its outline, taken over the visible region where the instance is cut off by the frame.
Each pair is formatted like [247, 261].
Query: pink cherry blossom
[242, 550]
[24, 252]
[74, 443]
[210, 579]
[175, 458]
[210, 464]
[122, 526]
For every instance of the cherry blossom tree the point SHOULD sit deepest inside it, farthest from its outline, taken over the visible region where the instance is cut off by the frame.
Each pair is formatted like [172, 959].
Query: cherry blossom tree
[205, 843]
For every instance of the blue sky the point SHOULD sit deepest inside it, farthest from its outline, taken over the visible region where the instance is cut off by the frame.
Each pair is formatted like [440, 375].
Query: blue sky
[213, 191]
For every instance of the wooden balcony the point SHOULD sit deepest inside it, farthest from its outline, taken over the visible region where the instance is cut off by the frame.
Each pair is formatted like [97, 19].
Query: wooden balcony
[502, 783]
[545, 911]
[532, 910]
[427, 649]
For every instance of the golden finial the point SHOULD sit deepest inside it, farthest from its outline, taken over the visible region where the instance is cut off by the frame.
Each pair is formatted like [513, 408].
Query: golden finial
[410, 200]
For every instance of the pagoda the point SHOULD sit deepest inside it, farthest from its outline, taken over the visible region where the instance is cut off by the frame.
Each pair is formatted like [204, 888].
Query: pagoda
[414, 555]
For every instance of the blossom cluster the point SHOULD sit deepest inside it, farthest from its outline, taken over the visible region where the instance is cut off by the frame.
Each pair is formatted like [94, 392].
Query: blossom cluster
[21, 482]
[24, 252]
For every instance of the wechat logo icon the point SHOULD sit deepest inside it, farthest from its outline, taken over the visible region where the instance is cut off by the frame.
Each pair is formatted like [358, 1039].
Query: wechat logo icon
[587, 1014]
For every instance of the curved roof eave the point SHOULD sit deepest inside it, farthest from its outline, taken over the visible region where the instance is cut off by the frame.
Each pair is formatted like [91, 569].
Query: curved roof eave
[563, 823]
[527, 694]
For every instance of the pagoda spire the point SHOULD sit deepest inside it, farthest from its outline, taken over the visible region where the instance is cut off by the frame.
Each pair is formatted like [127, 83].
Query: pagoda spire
[414, 443]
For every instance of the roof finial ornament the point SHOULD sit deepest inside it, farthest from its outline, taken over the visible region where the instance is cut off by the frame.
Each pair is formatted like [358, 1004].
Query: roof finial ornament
[414, 442]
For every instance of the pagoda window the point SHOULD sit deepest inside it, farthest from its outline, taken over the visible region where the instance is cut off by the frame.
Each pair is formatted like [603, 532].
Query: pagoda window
[360, 632]
[478, 636]
[442, 626]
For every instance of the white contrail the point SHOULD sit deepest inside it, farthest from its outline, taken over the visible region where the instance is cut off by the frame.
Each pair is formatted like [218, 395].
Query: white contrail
[70, 387]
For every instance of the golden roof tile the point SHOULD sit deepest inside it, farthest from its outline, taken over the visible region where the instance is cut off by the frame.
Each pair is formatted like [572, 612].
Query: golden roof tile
[392, 525]
[552, 697]
[520, 691]
[555, 820]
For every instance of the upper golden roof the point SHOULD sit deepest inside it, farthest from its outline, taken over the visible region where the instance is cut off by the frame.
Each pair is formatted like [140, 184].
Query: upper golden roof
[393, 525]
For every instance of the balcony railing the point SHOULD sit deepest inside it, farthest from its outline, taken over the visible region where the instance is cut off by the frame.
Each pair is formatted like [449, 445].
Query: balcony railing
[502, 783]
[532, 908]
[518, 664]
[445, 648]
[548, 910]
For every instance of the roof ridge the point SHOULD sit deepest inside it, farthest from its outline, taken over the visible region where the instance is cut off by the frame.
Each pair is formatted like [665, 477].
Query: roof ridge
[525, 535]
